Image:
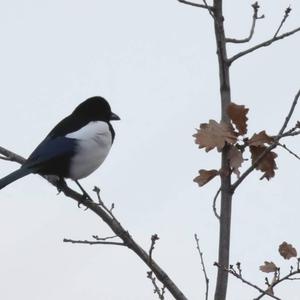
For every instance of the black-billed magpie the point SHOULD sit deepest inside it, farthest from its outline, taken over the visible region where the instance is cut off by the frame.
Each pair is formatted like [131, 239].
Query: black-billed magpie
[75, 147]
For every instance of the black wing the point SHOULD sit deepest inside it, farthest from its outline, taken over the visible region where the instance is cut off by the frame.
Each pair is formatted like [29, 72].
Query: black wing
[52, 156]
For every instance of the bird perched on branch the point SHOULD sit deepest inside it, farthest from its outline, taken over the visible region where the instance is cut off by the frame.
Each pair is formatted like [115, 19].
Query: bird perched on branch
[75, 147]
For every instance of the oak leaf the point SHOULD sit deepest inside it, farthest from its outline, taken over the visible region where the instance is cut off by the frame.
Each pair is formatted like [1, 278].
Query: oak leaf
[205, 176]
[260, 139]
[214, 134]
[235, 157]
[268, 267]
[267, 164]
[238, 116]
[287, 251]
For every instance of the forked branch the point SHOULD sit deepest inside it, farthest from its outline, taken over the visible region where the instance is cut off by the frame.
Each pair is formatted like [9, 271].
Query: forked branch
[286, 15]
[205, 6]
[159, 291]
[280, 134]
[255, 17]
[238, 274]
[264, 44]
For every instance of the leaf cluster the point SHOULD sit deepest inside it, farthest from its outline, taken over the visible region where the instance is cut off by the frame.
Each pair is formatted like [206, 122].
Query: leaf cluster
[233, 136]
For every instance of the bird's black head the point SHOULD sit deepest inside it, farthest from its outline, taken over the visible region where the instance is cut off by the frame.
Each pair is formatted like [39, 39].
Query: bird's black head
[95, 109]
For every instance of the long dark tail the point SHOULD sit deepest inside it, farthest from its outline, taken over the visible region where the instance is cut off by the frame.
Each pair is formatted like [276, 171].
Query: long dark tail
[14, 176]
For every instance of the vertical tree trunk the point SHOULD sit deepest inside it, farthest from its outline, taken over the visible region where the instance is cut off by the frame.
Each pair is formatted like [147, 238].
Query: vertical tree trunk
[226, 195]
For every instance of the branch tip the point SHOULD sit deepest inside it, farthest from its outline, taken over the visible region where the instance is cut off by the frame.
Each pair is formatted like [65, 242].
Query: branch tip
[261, 45]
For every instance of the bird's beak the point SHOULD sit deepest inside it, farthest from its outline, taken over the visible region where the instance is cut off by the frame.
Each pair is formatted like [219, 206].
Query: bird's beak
[114, 117]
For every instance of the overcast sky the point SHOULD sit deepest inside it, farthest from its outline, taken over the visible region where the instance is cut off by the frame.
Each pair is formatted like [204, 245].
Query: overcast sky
[155, 61]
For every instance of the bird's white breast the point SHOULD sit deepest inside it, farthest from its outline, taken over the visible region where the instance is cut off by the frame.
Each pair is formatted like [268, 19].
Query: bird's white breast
[93, 144]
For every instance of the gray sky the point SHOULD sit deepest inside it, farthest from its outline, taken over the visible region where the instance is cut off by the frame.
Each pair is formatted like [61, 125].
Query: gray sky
[155, 62]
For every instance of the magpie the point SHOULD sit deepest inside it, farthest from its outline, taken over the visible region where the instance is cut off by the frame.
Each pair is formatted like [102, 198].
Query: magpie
[75, 147]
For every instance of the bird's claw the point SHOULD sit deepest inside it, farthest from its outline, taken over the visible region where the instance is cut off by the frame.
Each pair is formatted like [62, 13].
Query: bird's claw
[61, 184]
[84, 197]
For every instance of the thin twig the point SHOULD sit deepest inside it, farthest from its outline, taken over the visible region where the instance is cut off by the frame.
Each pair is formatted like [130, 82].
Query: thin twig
[289, 115]
[286, 15]
[101, 203]
[116, 227]
[97, 238]
[237, 275]
[286, 134]
[276, 282]
[289, 150]
[154, 238]
[203, 266]
[215, 204]
[264, 44]
[92, 242]
[160, 292]
[255, 17]
[210, 8]
[272, 146]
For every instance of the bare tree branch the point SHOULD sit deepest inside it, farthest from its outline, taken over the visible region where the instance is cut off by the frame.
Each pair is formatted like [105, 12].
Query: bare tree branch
[277, 281]
[160, 292]
[97, 238]
[154, 238]
[273, 145]
[115, 226]
[101, 203]
[264, 44]
[203, 266]
[288, 150]
[289, 115]
[210, 10]
[92, 242]
[286, 15]
[255, 17]
[98, 241]
[239, 276]
[286, 134]
[215, 204]
[205, 6]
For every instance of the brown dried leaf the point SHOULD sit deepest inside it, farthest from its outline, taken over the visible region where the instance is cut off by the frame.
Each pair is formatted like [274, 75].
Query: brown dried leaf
[238, 115]
[267, 164]
[235, 157]
[287, 251]
[268, 267]
[213, 135]
[205, 176]
[260, 139]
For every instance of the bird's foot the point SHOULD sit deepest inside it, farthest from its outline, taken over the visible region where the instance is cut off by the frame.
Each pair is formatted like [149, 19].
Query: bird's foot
[81, 202]
[61, 184]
